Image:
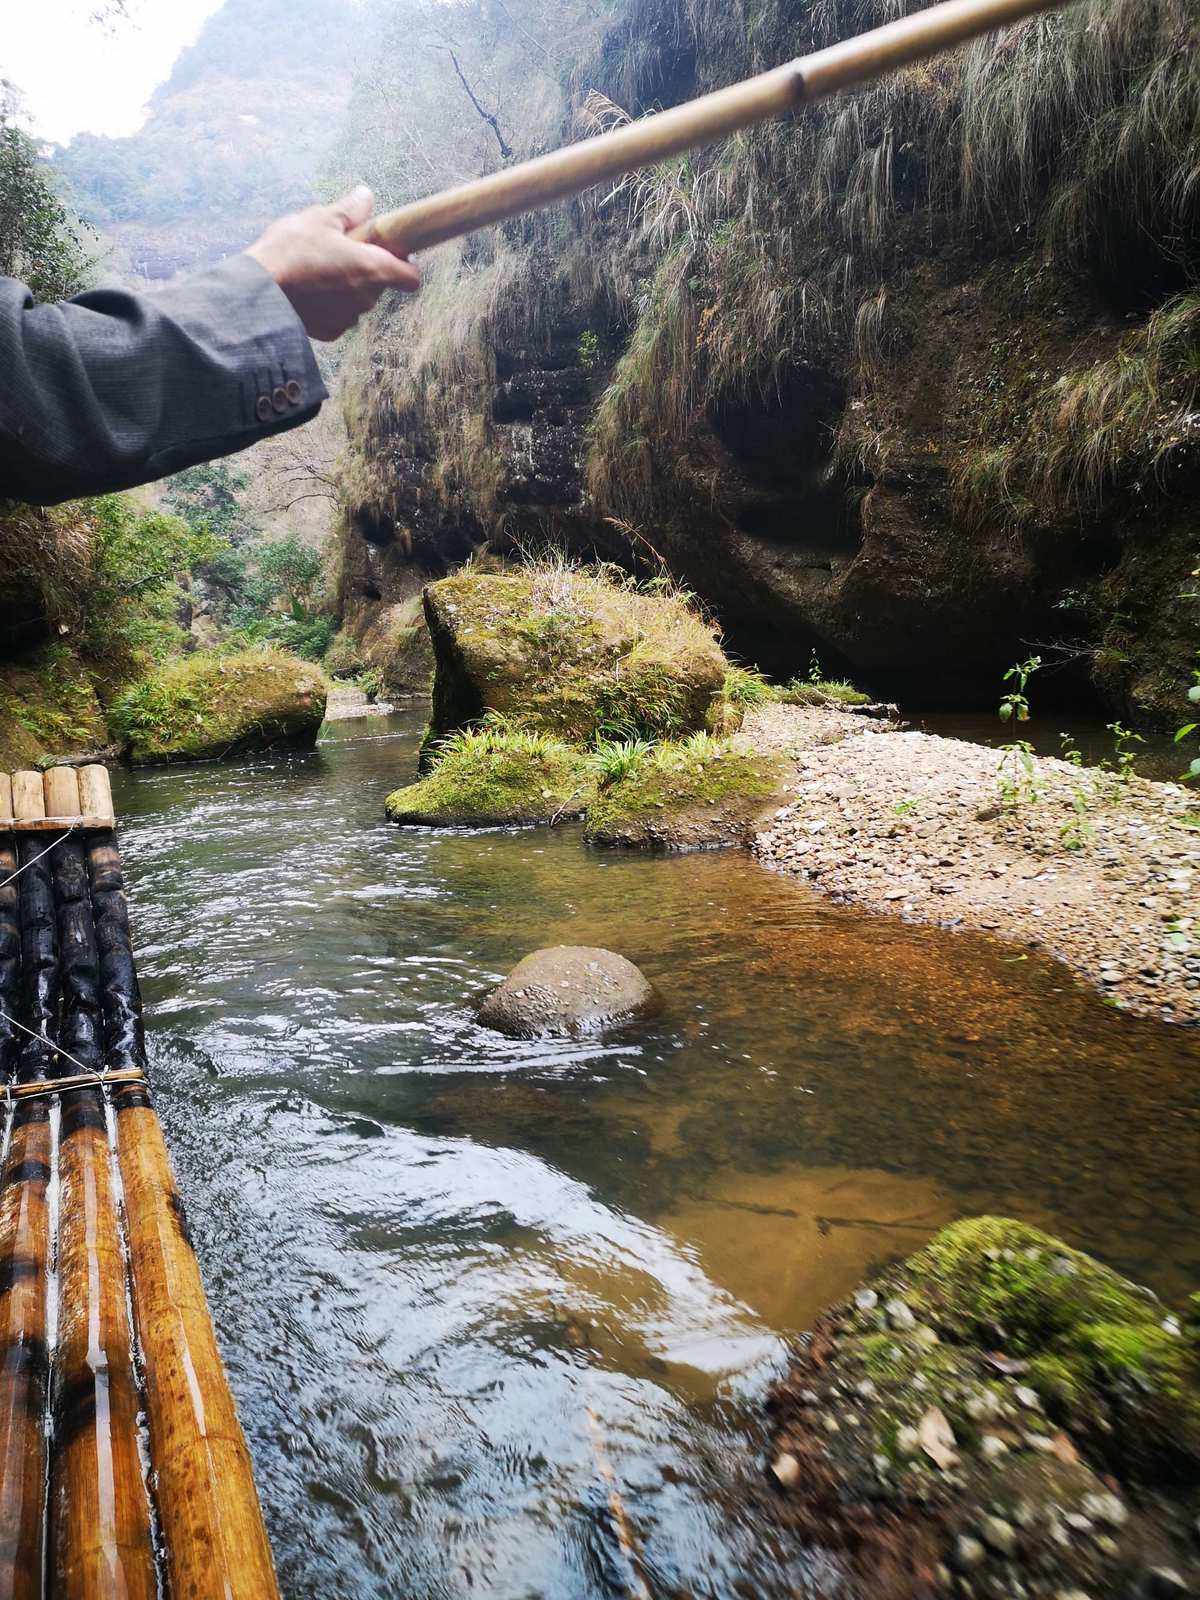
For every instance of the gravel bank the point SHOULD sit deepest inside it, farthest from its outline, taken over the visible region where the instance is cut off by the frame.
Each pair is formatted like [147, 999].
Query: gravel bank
[1100, 873]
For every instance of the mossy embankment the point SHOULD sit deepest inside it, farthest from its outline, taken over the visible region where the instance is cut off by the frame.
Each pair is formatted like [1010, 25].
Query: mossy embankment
[210, 705]
[999, 1410]
[561, 691]
[911, 378]
[701, 791]
[498, 776]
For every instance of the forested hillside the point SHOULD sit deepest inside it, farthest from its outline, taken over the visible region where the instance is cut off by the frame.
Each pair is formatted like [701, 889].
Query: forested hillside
[236, 135]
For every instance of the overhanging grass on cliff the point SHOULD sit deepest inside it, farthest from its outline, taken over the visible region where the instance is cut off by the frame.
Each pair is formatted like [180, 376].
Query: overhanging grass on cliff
[1081, 130]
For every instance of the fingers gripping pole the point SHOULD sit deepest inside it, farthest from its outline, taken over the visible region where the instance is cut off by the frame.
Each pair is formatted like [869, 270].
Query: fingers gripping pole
[569, 171]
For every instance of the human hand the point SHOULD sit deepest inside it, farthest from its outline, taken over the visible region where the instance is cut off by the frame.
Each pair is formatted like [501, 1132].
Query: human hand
[330, 279]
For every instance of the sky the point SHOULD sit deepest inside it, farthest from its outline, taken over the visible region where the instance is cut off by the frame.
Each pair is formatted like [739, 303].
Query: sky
[78, 77]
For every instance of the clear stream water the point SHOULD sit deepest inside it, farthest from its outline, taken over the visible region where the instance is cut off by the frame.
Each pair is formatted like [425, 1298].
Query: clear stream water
[463, 1284]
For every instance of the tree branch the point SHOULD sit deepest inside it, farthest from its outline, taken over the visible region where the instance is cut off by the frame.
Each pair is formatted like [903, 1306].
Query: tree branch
[505, 148]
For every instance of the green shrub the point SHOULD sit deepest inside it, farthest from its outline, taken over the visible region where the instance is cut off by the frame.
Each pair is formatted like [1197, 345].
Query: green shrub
[343, 659]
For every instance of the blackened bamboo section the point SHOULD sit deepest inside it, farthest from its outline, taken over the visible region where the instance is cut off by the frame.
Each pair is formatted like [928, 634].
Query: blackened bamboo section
[10, 950]
[25, 1218]
[121, 1000]
[208, 1508]
[101, 1544]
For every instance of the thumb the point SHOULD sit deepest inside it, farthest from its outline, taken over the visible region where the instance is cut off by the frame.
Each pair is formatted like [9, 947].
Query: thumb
[353, 209]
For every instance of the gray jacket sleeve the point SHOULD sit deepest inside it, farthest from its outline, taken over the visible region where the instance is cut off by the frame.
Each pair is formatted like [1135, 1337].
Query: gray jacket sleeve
[113, 389]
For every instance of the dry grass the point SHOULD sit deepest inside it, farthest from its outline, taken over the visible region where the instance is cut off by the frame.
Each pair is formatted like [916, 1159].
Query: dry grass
[1117, 423]
[1076, 136]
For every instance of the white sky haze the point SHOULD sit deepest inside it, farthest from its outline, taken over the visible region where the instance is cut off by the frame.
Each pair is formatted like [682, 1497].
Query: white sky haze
[77, 77]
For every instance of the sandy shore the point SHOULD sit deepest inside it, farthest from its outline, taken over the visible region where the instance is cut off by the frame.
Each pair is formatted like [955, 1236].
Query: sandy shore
[1102, 873]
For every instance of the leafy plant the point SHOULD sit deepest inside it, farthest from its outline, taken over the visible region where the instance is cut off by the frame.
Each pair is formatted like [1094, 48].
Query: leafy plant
[41, 242]
[1014, 707]
[1124, 753]
[613, 760]
[1189, 729]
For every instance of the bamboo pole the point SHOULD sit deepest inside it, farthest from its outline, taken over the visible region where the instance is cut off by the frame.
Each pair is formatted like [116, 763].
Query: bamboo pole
[25, 1230]
[101, 1541]
[216, 1545]
[541, 182]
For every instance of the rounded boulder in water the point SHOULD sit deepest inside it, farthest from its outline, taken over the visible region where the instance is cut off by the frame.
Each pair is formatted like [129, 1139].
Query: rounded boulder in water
[569, 992]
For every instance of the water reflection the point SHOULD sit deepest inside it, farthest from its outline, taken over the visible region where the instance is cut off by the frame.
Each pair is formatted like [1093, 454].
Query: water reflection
[441, 1261]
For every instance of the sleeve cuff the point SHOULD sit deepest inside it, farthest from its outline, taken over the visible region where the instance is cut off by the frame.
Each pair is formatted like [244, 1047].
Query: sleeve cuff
[284, 385]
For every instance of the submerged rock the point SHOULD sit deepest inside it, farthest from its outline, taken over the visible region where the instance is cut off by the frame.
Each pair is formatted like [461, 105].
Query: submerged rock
[1075, 1418]
[569, 991]
[208, 705]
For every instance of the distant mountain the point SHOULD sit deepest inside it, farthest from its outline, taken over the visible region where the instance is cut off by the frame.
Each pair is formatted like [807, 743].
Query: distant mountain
[236, 135]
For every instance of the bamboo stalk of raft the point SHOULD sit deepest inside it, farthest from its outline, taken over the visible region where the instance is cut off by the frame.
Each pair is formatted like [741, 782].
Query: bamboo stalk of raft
[215, 1541]
[549, 178]
[100, 1537]
[78, 993]
[27, 920]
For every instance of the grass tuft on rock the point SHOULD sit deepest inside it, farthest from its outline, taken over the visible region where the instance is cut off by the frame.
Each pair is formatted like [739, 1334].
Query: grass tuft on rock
[691, 793]
[497, 775]
[208, 705]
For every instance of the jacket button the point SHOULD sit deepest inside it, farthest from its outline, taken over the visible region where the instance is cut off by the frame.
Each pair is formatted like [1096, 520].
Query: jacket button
[294, 392]
[279, 399]
[264, 408]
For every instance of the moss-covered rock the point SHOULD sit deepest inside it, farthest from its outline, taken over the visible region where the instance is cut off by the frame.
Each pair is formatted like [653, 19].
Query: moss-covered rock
[1005, 1406]
[208, 705]
[495, 777]
[48, 709]
[570, 652]
[695, 793]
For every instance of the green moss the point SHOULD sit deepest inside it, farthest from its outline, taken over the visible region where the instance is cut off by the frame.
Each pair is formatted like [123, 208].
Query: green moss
[1088, 1334]
[575, 653]
[696, 791]
[48, 708]
[494, 776]
[208, 705]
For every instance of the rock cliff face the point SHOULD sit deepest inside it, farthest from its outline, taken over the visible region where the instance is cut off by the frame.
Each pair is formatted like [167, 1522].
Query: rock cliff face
[911, 381]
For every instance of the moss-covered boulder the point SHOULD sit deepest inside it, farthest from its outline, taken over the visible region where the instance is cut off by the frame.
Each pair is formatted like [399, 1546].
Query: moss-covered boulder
[695, 793]
[496, 776]
[208, 705]
[571, 652]
[1000, 1414]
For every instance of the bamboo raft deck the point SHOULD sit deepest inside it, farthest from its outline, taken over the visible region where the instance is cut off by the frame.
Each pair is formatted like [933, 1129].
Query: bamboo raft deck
[124, 1473]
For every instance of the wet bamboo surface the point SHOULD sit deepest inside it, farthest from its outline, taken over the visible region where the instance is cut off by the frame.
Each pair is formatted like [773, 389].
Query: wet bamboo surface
[124, 1473]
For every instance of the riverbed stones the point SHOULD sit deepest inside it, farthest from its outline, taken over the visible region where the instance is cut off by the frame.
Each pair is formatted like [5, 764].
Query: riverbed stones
[569, 991]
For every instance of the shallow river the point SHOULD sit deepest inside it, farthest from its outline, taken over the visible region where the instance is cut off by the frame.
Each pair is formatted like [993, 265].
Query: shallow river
[466, 1286]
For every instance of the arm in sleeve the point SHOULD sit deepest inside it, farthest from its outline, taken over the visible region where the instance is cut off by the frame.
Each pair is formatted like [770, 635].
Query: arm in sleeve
[113, 389]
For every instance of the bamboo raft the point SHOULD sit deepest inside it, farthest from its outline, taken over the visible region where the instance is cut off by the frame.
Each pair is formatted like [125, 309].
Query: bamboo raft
[124, 1473]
